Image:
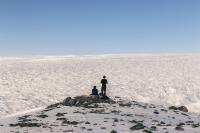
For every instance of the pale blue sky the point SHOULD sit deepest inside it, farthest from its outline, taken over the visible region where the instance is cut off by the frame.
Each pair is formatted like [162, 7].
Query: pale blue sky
[99, 26]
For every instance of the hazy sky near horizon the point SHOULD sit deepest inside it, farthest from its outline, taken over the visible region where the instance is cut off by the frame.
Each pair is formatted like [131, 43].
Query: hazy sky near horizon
[99, 26]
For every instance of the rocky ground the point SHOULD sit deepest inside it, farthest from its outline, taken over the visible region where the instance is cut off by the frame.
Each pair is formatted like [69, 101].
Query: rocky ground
[89, 114]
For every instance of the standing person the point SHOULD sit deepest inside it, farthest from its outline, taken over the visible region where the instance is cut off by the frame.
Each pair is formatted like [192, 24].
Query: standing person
[104, 82]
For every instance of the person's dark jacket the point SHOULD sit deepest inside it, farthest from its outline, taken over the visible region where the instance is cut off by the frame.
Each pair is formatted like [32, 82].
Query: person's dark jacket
[104, 82]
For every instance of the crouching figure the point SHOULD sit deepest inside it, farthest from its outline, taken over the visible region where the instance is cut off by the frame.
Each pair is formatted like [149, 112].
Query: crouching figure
[94, 91]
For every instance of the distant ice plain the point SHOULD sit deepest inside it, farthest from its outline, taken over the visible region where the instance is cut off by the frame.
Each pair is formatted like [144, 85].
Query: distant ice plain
[28, 82]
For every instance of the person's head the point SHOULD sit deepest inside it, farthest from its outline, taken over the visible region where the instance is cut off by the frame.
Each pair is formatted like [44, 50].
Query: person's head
[94, 87]
[104, 77]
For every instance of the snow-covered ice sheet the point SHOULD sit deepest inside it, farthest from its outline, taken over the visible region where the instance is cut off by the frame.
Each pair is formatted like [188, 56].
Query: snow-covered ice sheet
[28, 82]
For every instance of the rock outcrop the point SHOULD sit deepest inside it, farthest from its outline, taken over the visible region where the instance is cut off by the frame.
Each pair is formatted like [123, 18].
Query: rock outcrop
[86, 101]
[102, 114]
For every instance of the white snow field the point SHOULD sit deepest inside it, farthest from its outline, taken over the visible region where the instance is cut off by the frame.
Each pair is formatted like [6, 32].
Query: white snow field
[28, 82]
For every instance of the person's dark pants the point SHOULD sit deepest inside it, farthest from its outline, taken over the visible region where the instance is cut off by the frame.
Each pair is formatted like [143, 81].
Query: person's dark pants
[103, 90]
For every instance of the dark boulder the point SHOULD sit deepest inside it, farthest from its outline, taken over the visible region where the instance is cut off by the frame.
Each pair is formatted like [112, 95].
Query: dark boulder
[147, 131]
[138, 126]
[42, 116]
[173, 108]
[66, 100]
[195, 125]
[26, 124]
[113, 131]
[181, 108]
[179, 128]
[70, 122]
